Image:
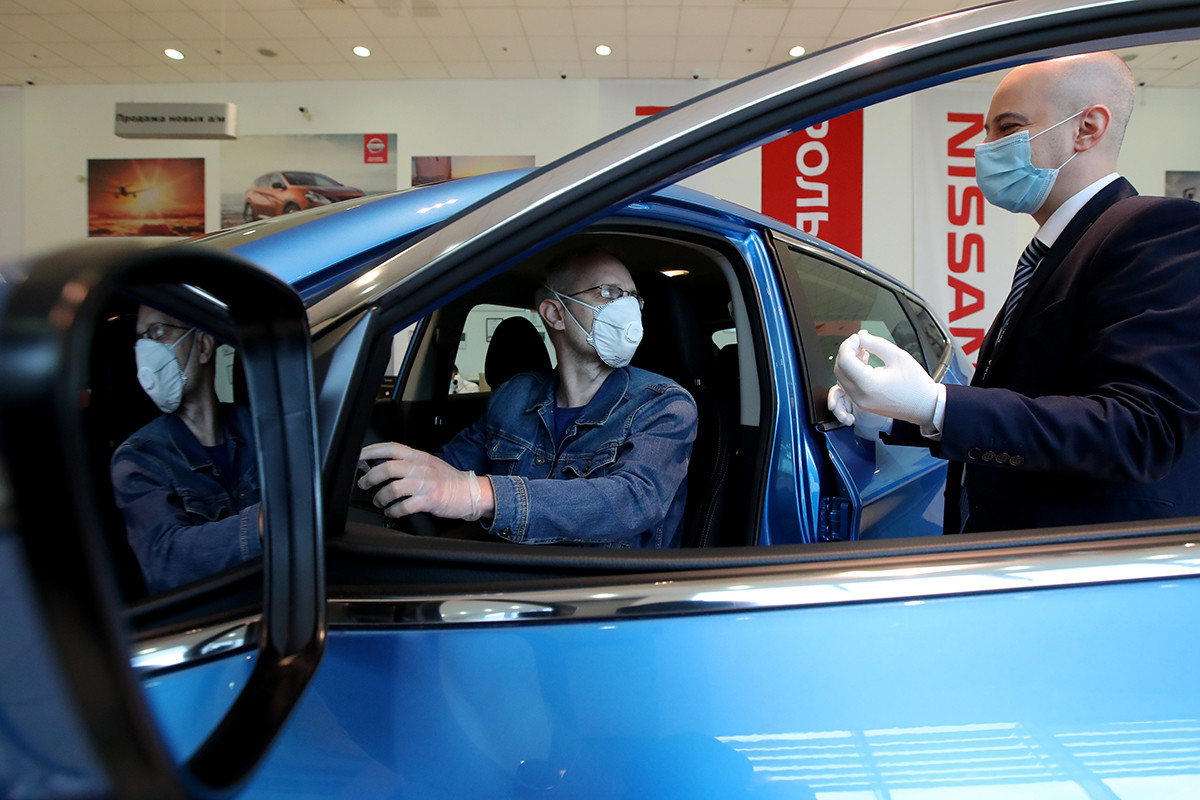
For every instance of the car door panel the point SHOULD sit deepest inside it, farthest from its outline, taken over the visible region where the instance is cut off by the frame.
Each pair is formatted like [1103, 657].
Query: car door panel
[921, 678]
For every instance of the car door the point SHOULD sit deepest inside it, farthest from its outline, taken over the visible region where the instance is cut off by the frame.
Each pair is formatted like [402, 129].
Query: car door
[880, 490]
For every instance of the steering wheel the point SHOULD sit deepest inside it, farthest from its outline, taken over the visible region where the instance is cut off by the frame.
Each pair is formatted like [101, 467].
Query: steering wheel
[363, 509]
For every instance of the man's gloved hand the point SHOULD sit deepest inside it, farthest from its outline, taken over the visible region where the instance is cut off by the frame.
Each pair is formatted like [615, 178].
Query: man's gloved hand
[425, 482]
[866, 424]
[900, 389]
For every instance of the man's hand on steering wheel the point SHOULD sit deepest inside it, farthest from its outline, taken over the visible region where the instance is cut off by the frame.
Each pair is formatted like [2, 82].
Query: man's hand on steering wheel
[413, 481]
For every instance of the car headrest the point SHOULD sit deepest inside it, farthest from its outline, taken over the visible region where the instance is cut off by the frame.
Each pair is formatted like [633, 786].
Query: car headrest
[675, 344]
[516, 347]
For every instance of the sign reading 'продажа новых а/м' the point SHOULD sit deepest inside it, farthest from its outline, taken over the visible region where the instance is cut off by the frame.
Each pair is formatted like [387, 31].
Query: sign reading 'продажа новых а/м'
[175, 121]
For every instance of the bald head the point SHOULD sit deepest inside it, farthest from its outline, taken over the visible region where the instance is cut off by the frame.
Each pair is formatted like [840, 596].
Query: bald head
[1071, 84]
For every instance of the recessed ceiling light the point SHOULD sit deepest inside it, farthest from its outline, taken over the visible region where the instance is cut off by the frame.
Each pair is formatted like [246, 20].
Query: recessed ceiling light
[674, 273]
[796, 51]
[603, 50]
[171, 52]
[361, 51]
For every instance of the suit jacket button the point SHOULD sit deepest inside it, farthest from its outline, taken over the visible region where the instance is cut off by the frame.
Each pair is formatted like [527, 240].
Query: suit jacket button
[1016, 461]
[988, 455]
[973, 453]
[1001, 458]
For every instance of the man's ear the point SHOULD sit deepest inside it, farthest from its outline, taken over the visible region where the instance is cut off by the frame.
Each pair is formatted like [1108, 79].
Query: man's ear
[552, 316]
[206, 347]
[1093, 124]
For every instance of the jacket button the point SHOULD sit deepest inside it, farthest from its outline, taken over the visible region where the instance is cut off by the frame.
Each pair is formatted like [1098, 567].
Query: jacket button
[539, 460]
[1016, 461]
[1001, 458]
[988, 455]
[973, 453]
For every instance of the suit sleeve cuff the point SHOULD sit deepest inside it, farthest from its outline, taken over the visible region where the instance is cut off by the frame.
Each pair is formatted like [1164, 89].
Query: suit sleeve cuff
[934, 429]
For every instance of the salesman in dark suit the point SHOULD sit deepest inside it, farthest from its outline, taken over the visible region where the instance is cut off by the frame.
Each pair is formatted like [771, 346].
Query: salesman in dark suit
[1085, 405]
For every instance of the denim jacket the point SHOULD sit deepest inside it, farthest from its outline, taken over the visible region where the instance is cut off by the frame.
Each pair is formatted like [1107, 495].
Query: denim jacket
[181, 521]
[617, 479]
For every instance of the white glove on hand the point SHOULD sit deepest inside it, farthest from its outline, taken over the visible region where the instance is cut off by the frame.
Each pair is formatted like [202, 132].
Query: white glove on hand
[866, 424]
[900, 389]
[425, 482]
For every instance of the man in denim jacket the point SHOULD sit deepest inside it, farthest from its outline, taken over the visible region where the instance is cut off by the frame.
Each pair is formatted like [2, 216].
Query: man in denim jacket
[187, 482]
[594, 453]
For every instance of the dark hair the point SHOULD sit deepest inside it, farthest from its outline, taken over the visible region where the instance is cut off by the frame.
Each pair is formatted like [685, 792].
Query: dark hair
[569, 260]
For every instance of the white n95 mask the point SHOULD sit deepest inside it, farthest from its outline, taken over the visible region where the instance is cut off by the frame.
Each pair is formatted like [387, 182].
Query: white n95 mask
[159, 372]
[616, 328]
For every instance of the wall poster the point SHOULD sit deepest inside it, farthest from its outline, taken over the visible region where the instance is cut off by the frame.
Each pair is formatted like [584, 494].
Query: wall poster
[265, 176]
[145, 196]
[435, 169]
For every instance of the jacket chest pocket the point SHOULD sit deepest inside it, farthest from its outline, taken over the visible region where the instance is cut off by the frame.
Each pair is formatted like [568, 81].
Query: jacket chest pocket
[589, 464]
[209, 508]
[511, 457]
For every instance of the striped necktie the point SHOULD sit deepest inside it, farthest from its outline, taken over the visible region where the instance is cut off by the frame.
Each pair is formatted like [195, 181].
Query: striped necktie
[1028, 262]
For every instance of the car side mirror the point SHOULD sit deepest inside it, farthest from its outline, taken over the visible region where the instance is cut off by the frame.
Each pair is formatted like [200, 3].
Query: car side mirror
[50, 310]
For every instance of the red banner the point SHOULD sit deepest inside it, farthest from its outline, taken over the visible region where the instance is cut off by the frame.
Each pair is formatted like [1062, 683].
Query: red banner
[813, 180]
[375, 148]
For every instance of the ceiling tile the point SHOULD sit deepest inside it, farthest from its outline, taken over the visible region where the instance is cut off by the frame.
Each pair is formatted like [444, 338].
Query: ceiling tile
[240, 25]
[408, 50]
[183, 23]
[383, 25]
[698, 48]
[649, 48]
[653, 21]
[451, 50]
[289, 72]
[811, 22]
[554, 48]
[86, 28]
[82, 55]
[547, 21]
[134, 26]
[748, 48]
[324, 51]
[855, 22]
[651, 69]
[75, 75]
[750, 21]
[451, 22]
[505, 49]
[287, 24]
[343, 72]
[248, 72]
[37, 55]
[593, 21]
[494, 21]
[376, 71]
[44, 6]
[551, 68]
[469, 70]
[34, 28]
[605, 69]
[514, 69]
[338, 23]
[425, 70]
[705, 21]
[157, 73]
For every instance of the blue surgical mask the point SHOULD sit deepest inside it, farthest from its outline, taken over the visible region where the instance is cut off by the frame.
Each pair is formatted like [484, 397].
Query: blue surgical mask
[1005, 172]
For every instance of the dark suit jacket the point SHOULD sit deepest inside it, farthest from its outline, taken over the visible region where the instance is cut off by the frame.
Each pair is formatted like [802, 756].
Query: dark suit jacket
[1087, 407]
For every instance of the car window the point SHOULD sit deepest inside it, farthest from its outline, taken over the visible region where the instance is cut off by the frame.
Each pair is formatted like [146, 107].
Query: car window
[843, 302]
[478, 328]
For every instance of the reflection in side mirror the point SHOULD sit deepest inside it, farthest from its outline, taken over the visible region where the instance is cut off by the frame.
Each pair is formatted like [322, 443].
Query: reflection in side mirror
[63, 501]
[185, 480]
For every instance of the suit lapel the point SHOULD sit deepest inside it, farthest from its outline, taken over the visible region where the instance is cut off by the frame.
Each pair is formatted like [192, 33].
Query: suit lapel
[994, 345]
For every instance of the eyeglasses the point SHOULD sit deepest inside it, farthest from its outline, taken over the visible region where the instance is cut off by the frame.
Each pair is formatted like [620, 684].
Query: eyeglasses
[610, 291]
[158, 330]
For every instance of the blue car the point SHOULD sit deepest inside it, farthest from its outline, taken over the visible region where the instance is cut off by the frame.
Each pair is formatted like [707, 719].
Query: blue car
[815, 635]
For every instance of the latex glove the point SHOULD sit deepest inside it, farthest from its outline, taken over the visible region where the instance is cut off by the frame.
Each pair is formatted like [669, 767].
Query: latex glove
[866, 424]
[425, 482]
[900, 389]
